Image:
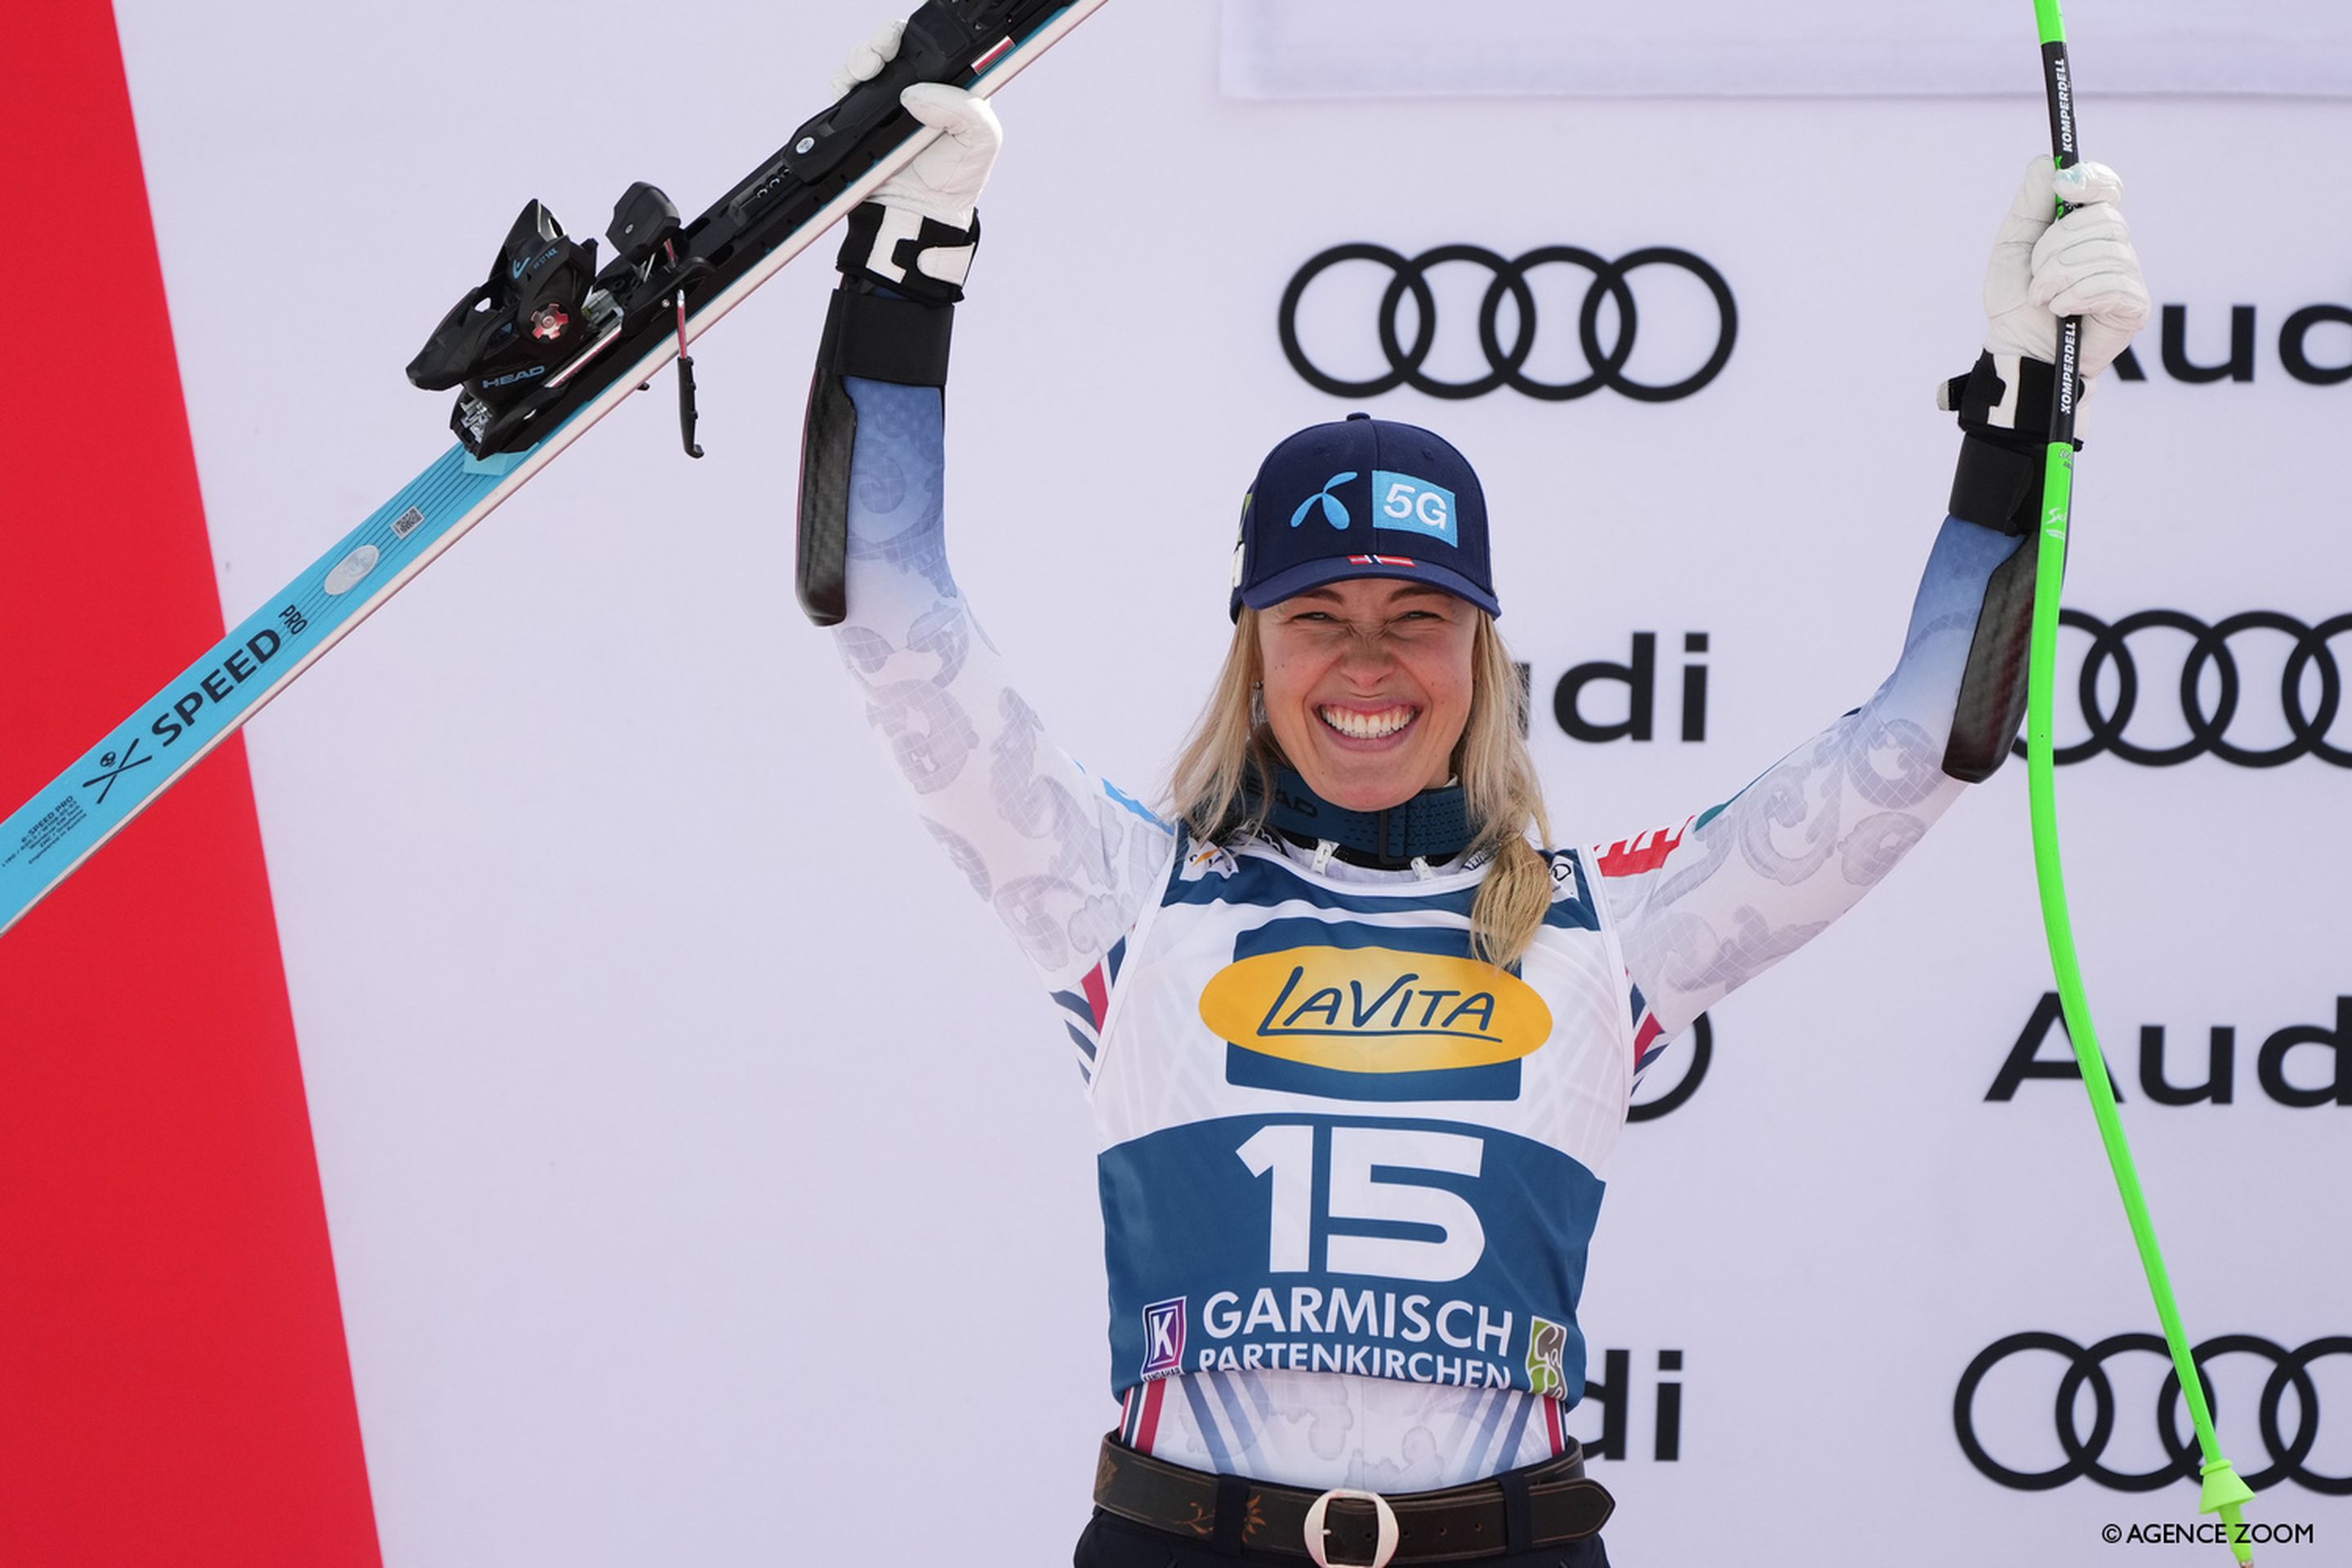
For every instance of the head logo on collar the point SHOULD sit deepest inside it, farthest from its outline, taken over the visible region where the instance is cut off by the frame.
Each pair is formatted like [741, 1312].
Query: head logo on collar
[1427, 512]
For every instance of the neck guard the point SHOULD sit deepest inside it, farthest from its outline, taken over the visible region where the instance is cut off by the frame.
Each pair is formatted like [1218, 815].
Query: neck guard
[1433, 826]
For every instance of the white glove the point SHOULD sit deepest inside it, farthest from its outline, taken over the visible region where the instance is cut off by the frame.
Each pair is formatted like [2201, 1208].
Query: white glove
[944, 182]
[2082, 265]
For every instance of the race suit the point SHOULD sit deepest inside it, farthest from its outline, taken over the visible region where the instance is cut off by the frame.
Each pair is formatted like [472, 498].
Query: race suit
[1349, 1174]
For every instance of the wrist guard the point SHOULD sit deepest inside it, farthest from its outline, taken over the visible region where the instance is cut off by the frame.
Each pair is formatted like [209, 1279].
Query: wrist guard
[895, 330]
[909, 254]
[2004, 405]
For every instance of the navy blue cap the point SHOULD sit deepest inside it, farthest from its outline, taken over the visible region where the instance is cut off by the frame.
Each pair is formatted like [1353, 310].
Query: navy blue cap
[1363, 498]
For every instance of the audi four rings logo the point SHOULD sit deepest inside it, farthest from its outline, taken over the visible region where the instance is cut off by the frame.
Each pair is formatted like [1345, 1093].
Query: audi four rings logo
[1507, 361]
[2310, 689]
[2086, 1368]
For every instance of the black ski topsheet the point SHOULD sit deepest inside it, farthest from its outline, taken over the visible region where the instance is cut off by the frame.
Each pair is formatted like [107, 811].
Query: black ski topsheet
[714, 262]
[947, 40]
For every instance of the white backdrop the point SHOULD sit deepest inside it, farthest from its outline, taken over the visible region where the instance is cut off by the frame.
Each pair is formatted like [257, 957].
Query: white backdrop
[1341, 48]
[698, 1157]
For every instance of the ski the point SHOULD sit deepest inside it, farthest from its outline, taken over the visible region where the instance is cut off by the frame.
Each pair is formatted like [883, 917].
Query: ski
[544, 348]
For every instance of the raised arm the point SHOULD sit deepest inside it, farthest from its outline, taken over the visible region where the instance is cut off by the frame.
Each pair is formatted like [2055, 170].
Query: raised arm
[1065, 858]
[1704, 908]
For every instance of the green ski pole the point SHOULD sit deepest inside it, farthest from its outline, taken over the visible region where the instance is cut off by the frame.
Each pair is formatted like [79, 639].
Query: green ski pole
[2222, 1491]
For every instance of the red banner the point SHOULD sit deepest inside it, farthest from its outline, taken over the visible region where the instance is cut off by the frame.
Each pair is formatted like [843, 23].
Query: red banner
[173, 1384]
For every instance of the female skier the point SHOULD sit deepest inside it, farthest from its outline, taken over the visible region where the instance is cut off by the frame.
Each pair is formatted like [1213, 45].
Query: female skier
[1357, 1036]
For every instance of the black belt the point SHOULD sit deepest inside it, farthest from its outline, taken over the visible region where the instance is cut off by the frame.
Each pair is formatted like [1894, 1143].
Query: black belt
[1520, 1510]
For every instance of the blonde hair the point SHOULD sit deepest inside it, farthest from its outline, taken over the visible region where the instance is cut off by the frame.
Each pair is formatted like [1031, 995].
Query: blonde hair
[1504, 799]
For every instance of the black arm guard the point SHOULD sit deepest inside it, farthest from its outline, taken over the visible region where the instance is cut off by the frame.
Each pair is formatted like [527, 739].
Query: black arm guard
[1991, 702]
[889, 321]
[1998, 485]
[877, 338]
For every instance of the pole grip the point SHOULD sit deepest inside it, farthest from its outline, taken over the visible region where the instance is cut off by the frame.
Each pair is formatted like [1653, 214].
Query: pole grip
[2058, 81]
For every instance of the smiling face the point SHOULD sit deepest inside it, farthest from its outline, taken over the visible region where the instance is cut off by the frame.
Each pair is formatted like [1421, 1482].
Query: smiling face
[1368, 686]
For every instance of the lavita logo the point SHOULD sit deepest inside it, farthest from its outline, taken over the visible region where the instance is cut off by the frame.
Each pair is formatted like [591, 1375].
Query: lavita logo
[1373, 1022]
[2219, 1087]
[2294, 348]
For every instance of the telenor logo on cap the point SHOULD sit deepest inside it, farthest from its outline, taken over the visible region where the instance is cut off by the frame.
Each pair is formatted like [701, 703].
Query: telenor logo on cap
[1333, 512]
[1408, 502]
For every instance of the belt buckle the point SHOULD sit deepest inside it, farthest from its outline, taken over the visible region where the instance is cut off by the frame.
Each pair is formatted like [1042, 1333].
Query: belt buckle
[1385, 1541]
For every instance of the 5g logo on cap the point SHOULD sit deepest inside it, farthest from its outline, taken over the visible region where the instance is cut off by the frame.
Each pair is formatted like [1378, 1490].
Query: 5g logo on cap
[1408, 502]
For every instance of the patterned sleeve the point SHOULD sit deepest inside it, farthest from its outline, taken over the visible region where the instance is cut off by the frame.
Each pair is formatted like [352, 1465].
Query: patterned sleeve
[1065, 859]
[1704, 908]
